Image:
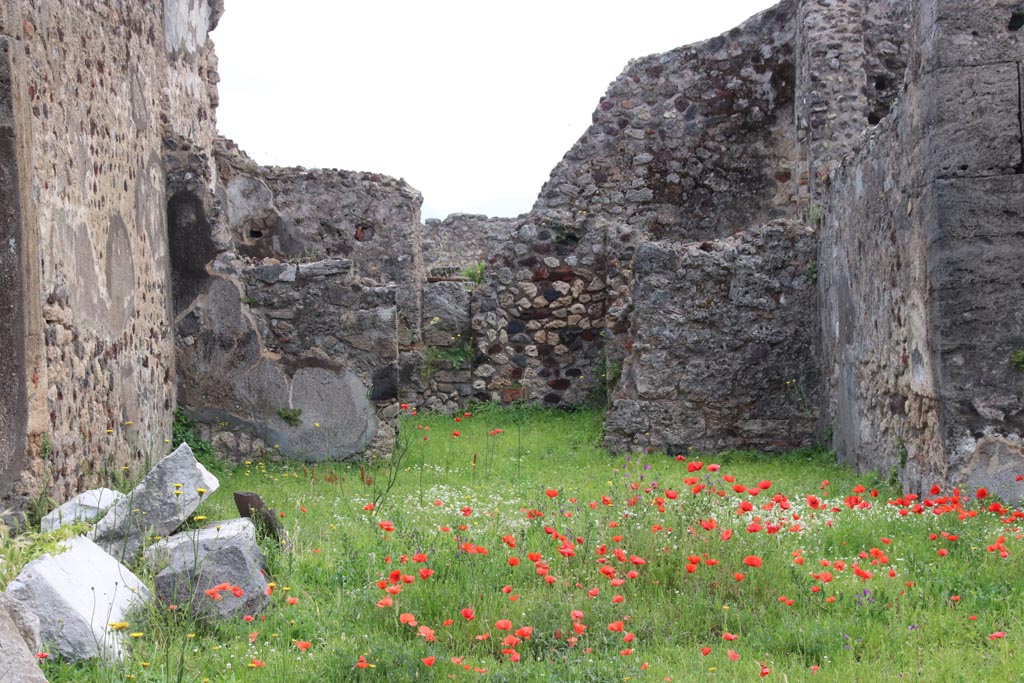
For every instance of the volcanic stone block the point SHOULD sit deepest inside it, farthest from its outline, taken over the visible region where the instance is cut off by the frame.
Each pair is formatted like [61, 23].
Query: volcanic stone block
[77, 595]
[164, 499]
[193, 564]
[87, 507]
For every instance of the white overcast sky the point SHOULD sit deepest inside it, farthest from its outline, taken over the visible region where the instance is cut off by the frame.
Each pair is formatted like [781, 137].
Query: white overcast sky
[472, 103]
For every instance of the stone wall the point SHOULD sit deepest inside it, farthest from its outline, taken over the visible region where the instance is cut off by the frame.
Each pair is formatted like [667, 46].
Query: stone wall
[920, 252]
[669, 242]
[687, 145]
[461, 241]
[852, 56]
[93, 90]
[290, 318]
[723, 345]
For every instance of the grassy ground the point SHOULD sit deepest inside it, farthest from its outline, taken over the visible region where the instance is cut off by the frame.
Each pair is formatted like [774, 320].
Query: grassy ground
[509, 547]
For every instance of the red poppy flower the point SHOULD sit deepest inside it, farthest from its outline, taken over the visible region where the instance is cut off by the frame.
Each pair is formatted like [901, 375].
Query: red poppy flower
[551, 493]
[524, 632]
[428, 661]
[303, 644]
[752, 561]
[468, 614]
[503, 624]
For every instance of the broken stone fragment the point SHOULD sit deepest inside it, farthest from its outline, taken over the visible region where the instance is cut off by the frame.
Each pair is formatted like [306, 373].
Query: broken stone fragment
[86, 507]
[217, 570]
[164, 499]
[251, 505]
[82, 597]
[17, 661]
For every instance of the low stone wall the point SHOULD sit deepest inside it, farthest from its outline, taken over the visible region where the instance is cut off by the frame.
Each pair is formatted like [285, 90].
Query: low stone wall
[723, 345]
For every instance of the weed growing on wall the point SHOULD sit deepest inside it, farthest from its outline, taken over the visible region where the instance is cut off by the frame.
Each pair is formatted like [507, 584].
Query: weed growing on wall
[475, 272]
[455, 356]
[1017, 359]
[292, 416]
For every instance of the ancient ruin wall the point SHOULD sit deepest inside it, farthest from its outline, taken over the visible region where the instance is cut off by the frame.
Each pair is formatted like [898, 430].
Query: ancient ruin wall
[723, 345]
[462, 241]
[95, 88]
[691, 144]
[920, 253]
[290, 320]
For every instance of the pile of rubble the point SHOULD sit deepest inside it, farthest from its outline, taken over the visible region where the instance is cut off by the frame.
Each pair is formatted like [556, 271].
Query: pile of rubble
[76, 603]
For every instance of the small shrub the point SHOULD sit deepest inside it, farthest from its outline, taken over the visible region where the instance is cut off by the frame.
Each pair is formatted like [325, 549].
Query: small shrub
[1017, 359]
[454, 356]
[185, 429]
[293, 416]
[474, 272]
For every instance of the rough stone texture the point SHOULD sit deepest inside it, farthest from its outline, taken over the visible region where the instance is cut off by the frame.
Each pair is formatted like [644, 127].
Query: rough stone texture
[25, 621]
[13, 292]
[723, 345]
[189, 563]
[17, 662]
[94, 91]
[87, 506]
[446, 312]
[370, 219]
[995, 464]
[165, 498]
[462, 240]
[77, 594]
[309, 283]
[917, 336]
[687, 145]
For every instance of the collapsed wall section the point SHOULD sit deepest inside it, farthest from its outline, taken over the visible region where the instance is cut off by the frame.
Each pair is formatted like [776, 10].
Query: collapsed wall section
[921, 246]
[96, 88]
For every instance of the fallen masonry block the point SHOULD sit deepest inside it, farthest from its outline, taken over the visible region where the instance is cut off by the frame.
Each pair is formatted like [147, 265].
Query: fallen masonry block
[164, 499]
[86, 507]
[17, 661]
[251, 505]
[217, 570]
[82, 597]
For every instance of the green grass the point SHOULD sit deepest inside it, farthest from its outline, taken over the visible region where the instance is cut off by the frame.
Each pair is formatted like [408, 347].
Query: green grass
[450, 496]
